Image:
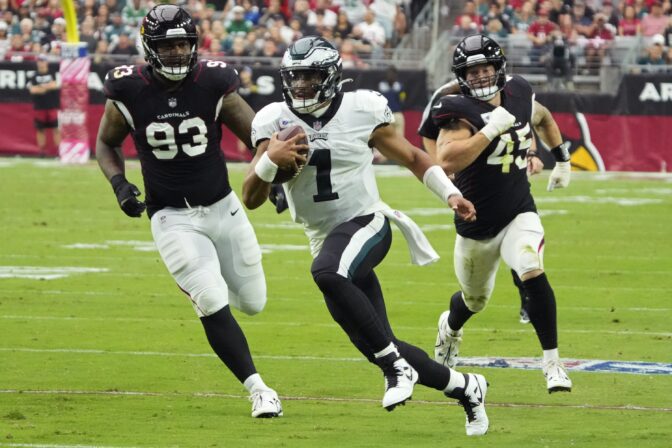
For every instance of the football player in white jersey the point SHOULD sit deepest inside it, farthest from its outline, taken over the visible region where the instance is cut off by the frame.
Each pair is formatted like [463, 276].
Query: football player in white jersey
[336, 198]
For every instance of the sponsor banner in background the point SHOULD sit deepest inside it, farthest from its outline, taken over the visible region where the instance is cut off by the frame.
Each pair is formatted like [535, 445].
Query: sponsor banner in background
[613, 133]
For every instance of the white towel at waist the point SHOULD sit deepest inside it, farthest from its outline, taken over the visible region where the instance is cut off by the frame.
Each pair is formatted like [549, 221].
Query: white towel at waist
[422, 252]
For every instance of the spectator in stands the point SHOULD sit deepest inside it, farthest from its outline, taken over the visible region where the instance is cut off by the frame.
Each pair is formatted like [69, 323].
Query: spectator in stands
[133, 13]
[343, 28]
[124, 46]
[599, 42]
[654, 22]
[629, 24]
[495, 14]
[4, 39]
[559, 62]
[539, 34]
[113, 6]
[385, 12]
[272, 13]
[86, 34]
[393, 90]
[115, 28]
[354, 9]
[495, 30]
[239, 48]
[524, 17]
[349, 56]
[301, 12]
[87, 8]
[400, 25]
[101, 52]
[370, 33]
[214, 50]
[465, 27]
[328, 17]
[470, 10]
[655, 52]
[17, 48]
[582, 18]
[44, 91]
[238, 26]
[668, 34]
[251, 12]
[613, 17]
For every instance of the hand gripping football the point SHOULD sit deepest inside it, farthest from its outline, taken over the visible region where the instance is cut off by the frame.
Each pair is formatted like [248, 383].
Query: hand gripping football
[283, 175]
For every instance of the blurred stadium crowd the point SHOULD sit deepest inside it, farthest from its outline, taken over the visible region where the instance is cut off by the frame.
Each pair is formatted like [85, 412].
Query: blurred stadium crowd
[551, 31]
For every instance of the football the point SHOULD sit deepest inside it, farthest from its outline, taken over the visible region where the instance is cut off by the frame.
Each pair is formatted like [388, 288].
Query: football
[284, 175]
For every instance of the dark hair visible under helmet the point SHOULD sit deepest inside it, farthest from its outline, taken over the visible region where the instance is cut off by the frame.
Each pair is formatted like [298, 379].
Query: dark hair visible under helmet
[476, 50]
[163, 23]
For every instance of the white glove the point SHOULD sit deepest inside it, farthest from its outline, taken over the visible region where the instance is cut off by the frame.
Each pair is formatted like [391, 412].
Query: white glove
[500, 121]
[560, 175]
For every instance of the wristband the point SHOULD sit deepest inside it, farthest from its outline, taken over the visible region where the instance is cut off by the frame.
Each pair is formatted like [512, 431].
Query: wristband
[117, 181]
[437, 182]
[490, 131]
[265, 168]
[561, 152]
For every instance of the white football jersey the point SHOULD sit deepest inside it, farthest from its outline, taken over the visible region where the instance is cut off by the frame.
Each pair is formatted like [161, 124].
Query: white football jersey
[338, 182]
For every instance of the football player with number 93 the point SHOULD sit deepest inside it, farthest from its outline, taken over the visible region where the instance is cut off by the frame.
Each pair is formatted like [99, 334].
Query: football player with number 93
[174, 108]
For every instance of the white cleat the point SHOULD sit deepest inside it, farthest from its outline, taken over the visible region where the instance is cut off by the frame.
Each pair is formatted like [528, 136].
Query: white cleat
[472, 399]
[400, 377]
[557, 379]
[448, 342]
[266, 404]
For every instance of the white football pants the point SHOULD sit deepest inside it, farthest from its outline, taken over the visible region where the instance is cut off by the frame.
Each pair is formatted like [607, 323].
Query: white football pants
[520, 245]
[213, 255]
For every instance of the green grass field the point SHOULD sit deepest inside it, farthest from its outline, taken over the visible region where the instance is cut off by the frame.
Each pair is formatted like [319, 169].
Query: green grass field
[112, 355]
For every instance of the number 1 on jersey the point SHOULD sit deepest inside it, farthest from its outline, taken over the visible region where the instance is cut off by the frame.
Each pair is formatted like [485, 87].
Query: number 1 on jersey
[321, 160]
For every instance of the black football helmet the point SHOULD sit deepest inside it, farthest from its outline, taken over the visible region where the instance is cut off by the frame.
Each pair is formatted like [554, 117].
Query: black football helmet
[316, 61]
[476, 50]
[162, 23]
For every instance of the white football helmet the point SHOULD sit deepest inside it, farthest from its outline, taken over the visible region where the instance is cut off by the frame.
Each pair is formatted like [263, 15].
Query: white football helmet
[311, 74]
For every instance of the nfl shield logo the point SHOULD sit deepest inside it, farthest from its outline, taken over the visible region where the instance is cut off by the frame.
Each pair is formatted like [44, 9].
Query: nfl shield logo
[172, 102]
[317, 125]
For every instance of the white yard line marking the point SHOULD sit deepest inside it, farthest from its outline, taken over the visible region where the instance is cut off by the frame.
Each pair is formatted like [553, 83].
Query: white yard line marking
[322, 399]
[582, 365]
[49, 445]
[332, 325]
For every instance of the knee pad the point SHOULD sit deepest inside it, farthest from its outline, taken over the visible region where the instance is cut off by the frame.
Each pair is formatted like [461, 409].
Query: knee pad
[250, 299]
[207, 290]
[475, 304]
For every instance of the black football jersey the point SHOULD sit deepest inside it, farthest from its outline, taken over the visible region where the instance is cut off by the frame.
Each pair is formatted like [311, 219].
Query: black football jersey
[48, 100]
[496, 182]
[176, 133]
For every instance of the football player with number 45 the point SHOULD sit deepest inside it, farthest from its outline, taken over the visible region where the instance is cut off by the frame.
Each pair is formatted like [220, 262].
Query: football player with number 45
[336, 198]
[485, 139]
[174, 107]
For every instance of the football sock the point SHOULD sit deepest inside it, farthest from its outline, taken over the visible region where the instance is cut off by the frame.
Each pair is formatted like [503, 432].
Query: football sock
[430, 373]
[551, 355]
[457, 381]
[459, 313]
[227, 340]
[386, 351]
[254, 383]
[521, 289]
[541, 309]
[356, 309]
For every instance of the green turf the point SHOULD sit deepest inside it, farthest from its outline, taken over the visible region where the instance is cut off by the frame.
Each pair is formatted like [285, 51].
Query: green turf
[118, 358]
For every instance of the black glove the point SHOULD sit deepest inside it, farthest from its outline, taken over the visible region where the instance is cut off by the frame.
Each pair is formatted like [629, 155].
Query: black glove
[278, 198]
[126, 196]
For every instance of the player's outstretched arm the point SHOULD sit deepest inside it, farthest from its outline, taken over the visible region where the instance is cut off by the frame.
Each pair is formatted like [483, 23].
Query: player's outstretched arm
[397, 148]
[237, 115]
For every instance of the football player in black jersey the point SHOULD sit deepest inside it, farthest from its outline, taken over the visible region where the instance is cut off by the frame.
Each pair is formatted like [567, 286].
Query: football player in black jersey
[485, 138]
[545, 127]
[173, 107]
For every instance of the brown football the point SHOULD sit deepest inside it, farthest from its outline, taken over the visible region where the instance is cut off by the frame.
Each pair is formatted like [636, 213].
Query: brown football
[283, 175]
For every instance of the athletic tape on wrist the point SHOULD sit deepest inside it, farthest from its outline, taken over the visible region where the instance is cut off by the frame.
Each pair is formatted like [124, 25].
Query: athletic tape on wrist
[265, 168]
[437, 182]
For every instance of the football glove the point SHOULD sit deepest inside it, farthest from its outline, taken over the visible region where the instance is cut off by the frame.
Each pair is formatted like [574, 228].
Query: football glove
[560, 175]
[126, 194]
[500, 121]
[278, 198]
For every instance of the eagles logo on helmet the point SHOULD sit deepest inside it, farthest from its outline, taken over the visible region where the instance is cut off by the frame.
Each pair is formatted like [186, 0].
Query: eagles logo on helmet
[477, 50]
[164, 23]
[311, 71]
